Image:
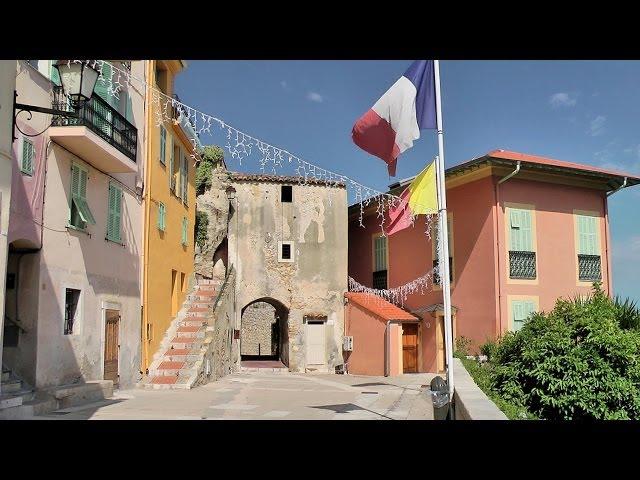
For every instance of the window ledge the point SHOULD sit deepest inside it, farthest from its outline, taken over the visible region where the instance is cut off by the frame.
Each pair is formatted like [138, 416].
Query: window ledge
[117, 242]
[78, 229]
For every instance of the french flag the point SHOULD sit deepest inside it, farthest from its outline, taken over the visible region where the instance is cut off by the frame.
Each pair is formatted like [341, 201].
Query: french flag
[394, 122]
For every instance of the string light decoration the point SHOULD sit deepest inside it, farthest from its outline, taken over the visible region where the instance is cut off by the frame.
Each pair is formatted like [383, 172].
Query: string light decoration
[241, 146]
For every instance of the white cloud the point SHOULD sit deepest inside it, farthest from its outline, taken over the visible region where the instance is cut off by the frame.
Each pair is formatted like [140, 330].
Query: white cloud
[596, 127]
[562, 100]
[315, 97]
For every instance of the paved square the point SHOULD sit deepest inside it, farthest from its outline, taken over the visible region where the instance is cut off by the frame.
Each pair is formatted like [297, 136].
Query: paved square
[278, 396]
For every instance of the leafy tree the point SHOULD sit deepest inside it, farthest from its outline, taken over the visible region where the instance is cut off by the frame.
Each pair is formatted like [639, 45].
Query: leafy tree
[212, 156]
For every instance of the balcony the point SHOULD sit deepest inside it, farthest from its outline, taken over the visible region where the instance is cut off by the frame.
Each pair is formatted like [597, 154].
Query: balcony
[522, 265]
[380, 279]
[589, 268]
[100, 135]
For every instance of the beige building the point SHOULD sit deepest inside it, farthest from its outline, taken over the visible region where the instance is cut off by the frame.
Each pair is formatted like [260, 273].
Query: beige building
[75, 235]
[288, 243]
[7, 87]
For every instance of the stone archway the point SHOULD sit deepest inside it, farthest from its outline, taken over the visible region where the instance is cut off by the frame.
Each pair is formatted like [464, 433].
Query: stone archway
[264, 334]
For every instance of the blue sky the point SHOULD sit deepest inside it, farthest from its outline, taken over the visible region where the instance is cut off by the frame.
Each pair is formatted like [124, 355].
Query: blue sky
[580, 111]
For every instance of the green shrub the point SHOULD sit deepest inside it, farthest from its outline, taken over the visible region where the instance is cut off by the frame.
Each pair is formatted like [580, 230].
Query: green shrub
[212, 156]
[489, 349]
[574, 363]
[202, 222]
[627, 313]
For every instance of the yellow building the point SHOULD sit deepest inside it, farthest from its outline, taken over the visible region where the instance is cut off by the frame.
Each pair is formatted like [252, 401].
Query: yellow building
[170, 210]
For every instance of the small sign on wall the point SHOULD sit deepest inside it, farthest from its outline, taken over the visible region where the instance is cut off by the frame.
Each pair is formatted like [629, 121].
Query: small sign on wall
[236, 334]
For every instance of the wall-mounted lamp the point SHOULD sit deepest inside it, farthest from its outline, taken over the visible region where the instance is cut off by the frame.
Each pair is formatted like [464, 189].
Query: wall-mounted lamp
[78, 80]
[231, 193]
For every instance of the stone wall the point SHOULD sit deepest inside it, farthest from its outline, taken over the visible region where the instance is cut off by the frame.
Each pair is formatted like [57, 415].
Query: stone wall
[314, 282]
[215, 204]
[223, 353]
[471, 403]
[257, 334]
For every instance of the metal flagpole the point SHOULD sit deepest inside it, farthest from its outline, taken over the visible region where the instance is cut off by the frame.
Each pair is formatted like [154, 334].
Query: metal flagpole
[443, 233]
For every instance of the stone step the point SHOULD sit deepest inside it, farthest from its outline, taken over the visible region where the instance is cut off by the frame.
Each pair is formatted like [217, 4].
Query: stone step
[195, 309]
[11, 386]
[197, 322]
[186, 343]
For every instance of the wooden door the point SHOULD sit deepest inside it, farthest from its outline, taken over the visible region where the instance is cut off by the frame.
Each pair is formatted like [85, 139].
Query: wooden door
[111, 345]
[316, 343]
[410, 348]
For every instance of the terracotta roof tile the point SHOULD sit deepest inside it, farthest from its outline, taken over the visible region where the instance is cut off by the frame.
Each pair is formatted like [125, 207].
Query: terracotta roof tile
[379, 306]
[254, 177]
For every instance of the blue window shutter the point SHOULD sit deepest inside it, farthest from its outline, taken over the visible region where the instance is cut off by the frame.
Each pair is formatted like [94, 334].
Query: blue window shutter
[27, 156]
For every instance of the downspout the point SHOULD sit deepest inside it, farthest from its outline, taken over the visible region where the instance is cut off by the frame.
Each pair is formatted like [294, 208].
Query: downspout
[498, 248]
[606, 234]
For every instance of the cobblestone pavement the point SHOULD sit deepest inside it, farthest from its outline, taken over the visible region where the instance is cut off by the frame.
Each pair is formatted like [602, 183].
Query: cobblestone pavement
[275, 396]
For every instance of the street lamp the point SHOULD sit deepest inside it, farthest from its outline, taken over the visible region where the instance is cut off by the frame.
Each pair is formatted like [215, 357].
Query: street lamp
[231, 193]
[78, 79]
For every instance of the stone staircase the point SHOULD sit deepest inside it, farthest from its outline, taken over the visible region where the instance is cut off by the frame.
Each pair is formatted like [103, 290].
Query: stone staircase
[13, 391]
[180, 360]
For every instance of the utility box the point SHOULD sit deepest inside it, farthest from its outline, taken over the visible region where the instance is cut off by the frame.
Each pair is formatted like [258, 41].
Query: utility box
[347, 343]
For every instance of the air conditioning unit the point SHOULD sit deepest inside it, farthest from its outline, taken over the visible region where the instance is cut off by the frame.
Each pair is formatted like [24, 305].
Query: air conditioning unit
[347, 344]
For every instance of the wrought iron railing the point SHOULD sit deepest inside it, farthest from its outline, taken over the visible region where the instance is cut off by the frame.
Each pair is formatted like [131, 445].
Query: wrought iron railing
[522, 265]
[589, 267]
[102, 119]
[436, 271]
[380, 279]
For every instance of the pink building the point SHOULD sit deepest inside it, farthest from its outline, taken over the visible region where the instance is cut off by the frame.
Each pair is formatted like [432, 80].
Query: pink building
[523, 230]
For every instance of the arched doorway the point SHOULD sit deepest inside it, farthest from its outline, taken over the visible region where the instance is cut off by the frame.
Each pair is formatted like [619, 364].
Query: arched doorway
[264, 335]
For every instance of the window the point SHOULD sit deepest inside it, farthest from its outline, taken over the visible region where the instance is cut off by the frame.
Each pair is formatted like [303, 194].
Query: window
[436, 255]
[185, 227]
[522, 256]
[80, 213]
[163, 144]
[161, 79]
[26, 165]
[71, 301]
[174, 168]
[286, 193]
[183, 178]
[285, 251]
[162, 213]
[114, 213]
[589, 262]
[521, 310]
[380, 262]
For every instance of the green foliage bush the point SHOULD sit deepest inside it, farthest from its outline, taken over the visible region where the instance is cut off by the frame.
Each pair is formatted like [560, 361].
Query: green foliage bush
[202, 222]
[212, 156]
[489, 349]
[575, 363]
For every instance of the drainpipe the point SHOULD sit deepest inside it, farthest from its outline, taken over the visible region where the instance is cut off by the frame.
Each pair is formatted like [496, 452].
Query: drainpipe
[497, 230]
[624, 185]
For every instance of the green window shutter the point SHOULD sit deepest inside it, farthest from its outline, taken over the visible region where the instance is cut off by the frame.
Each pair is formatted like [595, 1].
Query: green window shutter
[380, 254]
[171, 165]
[27, 156]
[55, 76]
[521, 239]
[163, 144]
[183, 178]
[102, 84]
[161, 216]
[128, 106]
[79, 178]
[184, 230]
[114, 218]
[521, 309]
[587, 235]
